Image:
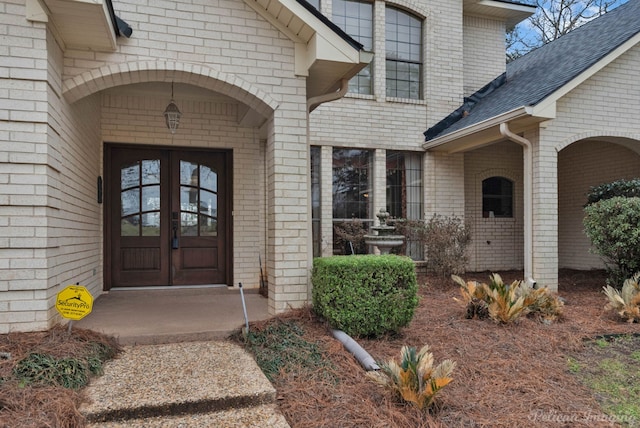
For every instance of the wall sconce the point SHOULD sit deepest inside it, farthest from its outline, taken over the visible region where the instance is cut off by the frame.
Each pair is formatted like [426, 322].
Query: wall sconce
[172, 114]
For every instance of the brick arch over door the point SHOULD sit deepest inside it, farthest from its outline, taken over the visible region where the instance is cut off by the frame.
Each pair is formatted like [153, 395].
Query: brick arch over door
[106, 77]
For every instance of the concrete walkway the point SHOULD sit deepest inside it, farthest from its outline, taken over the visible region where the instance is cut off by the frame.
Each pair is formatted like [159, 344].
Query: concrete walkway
[166, 315]
[177, 368]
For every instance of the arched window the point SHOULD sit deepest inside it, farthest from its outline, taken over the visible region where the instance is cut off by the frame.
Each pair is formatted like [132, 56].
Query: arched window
[497, 197]
[404, 54]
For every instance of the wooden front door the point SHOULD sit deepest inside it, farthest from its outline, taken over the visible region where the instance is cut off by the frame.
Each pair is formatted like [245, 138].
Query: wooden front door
[167, 217]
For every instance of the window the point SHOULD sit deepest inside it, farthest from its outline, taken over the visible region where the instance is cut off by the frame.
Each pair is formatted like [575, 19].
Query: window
[315, 200]
[356, 19]
[314, 3]
[404, 192]
[351, 184]
[351, 199]
[497, 197]
[404, 54]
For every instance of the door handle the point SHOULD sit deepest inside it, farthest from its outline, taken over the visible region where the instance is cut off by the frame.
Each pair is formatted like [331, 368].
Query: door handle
[174, 240]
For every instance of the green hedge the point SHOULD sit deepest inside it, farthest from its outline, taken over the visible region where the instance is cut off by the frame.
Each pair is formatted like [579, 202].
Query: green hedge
[613, 225]
[624, 188]
[366, 295]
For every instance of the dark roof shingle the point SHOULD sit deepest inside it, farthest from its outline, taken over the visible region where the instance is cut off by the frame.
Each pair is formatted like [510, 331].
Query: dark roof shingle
[538, 74]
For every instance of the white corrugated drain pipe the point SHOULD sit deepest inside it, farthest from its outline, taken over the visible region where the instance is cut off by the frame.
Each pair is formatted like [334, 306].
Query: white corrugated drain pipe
[527, 153]
[358, 351]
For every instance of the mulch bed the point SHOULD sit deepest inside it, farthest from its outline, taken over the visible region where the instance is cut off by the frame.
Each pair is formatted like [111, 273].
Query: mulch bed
[506, 376]
[39, 406]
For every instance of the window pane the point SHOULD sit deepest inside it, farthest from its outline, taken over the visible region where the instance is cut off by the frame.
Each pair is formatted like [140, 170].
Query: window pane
[151, 224]
[188, 173]
[208, 203]
[151, 171]
[497, 197]
[356, 19]
[130, 226]
[404, 54]
[315, 201]
[189, 224]
[351, 183]
[188, 198]
[130, 202]
[151, 198]
[130, 176]
[208, 179]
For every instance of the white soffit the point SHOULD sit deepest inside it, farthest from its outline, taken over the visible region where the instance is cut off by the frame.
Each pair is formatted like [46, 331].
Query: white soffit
[81, 24]
[511, 13]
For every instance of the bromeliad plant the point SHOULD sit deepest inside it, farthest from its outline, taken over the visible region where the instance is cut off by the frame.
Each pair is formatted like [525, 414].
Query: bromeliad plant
[415, 379]
[627, 301]
[507, 302]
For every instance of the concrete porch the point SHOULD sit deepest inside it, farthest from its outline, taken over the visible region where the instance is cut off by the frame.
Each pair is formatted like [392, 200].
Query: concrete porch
[164, 315]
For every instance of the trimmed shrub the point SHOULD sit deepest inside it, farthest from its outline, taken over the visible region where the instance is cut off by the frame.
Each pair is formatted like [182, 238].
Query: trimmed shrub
[365, 295]
[625, 188]
[613, 225]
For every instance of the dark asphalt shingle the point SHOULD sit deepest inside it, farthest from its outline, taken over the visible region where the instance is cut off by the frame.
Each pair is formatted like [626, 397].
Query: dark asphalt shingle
[535, 76]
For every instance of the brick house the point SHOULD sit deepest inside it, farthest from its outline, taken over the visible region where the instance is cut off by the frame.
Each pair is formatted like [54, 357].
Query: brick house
[294, 116]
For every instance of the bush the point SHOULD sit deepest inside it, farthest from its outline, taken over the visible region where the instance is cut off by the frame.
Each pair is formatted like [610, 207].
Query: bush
[626, 302]
[613, 226]
[446, 240]
[505, 303]
[365, 295]
[624, 188]
[415, 379]
[347, 234]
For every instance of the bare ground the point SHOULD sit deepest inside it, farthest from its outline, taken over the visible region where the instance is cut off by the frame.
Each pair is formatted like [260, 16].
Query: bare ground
[506, 375]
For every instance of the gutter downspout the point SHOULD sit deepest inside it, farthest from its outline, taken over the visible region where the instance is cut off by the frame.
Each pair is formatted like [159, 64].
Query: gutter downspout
[527, 153]
[314, 102]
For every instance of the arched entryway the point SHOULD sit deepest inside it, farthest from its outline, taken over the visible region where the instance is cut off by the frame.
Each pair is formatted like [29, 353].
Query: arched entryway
[583, 164]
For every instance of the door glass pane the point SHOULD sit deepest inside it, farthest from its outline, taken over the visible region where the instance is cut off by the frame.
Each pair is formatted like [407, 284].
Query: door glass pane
[151, 171]
[130, 202]
[208, 179]
[208, 203]
[130, 226]
[188, 173]
[151, 198]
[130, 176]
[188, 199]
[151, 224]
[208, 226]
[189, 224]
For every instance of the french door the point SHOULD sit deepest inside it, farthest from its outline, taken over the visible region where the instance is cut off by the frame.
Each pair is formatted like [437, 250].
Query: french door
[167, 217]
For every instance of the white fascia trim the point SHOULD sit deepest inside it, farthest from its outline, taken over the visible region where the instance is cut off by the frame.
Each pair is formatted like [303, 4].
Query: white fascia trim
[480, 126]
[582, 77]
[325, 44]
[509, 6]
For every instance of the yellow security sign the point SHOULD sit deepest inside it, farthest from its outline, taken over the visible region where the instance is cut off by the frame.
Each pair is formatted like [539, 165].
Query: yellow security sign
[74, 302]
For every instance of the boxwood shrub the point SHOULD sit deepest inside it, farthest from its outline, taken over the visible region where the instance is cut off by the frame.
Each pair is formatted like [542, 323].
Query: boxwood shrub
[365, 295]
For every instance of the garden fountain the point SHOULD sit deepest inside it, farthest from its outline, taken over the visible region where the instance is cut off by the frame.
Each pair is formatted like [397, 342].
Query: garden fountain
[384, 239]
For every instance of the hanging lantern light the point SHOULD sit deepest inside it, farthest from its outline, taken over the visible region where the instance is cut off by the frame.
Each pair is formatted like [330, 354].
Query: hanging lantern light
[172, 114]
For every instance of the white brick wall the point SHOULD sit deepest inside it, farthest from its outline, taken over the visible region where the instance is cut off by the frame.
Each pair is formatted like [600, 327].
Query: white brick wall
[497, 243]
[484, 57]
[580, 166]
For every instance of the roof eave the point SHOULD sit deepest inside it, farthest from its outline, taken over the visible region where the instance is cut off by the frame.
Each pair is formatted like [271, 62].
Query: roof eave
[488, 131]
[511, 13]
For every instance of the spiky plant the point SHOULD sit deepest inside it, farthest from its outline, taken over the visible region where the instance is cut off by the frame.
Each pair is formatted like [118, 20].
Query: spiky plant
[415, 379]
[541, 301]
[503, 303]
[473, 298]
[507, 302]
[627, 301]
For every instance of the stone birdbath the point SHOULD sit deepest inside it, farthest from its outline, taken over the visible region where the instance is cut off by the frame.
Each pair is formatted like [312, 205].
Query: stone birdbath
[384, 238]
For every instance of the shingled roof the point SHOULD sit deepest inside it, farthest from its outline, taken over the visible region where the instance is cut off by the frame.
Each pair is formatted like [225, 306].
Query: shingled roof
[537, 75]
